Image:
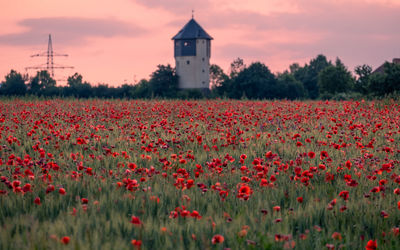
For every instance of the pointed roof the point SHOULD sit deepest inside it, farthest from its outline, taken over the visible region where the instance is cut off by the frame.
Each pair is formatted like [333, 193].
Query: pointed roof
[192, 30]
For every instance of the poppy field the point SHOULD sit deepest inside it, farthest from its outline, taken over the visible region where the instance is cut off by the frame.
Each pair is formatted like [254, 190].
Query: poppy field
[208, 174]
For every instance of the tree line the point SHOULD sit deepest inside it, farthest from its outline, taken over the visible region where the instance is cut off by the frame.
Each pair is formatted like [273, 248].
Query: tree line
[318, 79]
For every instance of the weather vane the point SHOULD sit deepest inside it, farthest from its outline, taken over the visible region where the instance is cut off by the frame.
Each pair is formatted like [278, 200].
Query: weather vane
[192, 14]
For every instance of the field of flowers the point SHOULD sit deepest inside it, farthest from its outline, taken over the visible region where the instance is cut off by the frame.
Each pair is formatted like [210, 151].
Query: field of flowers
[98, 174]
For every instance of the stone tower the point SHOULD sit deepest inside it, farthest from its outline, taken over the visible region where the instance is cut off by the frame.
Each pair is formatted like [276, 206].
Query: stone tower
[192, 51]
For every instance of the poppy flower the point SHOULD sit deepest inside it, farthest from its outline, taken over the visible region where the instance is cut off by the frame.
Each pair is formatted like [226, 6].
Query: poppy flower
[61, 191]
[195, 214]
[65, 240]
[330, 246]
[337, 236]
[50, 189]
[311, 155]
[384, 214]
[344, 194]
[27, 187]
[264, 183]
[37, 201]
[348, 164]
[323, 155]
[371, 245]
[136, 243]
[135, 220]
[299, 199]
[84, 201]
[216, 239]
[242, 233]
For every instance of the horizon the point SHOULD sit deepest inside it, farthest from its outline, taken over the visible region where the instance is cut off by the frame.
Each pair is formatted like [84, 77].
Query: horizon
[124, 41]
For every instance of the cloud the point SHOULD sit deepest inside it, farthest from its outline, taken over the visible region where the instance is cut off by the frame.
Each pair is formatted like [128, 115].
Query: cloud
[69, 30]
[176, 6]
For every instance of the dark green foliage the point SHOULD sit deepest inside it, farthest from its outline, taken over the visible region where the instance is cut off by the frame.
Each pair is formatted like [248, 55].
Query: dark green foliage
[236, 67]
[290, 88]
[42, 84]
[317, 79]
[311, 75]
[363, 73]
[14, 84]
[255, 81]
[385, 83]
[335, 79]
[164, 82]
[217, 76]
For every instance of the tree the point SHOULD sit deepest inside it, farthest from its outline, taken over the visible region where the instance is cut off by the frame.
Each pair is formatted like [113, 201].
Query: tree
[385, 83]
[363, 73]
[217, 76]
[76, 87]
[335, 79]
[41, 82]
[236, 67]
[142, 89]
[308, 74]
[74, 80]
[255, 81]
[290, 88]
[219, 80]
[14, 84]
[164, 81]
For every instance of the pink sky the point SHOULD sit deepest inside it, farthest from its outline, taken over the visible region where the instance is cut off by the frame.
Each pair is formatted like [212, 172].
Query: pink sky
[122, 40]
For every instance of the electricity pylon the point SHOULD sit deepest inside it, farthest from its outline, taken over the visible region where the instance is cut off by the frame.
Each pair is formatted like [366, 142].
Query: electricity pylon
[49, 66]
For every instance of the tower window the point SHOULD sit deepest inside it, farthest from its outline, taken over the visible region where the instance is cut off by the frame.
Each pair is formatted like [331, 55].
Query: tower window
[187, 62]
[204, 71]
[186, 44]
[204, 82]
[203, 59]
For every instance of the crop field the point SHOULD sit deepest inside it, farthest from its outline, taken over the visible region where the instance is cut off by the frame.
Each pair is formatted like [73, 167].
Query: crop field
[218, 174]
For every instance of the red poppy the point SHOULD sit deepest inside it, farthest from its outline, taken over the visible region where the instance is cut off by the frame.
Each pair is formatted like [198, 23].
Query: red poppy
[299, 199]
[37, 201]
[344, 194]
[216, 239]
[136, 243]
[245, 190]
[135, 220]
[371, 245]
[311, 154]
[264, 183]
[65, 240]
[323, 155]
[348, 164]
[330, 246]
[337, 236]
[384, 214]
[61, 191]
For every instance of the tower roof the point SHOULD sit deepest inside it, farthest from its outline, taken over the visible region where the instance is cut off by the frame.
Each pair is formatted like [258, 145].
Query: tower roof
[192, 30]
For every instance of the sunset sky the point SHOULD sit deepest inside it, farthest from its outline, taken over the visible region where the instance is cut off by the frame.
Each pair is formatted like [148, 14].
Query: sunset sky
[122, 40]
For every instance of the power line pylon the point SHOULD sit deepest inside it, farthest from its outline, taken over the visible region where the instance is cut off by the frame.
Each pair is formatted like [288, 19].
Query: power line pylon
[50, 66]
